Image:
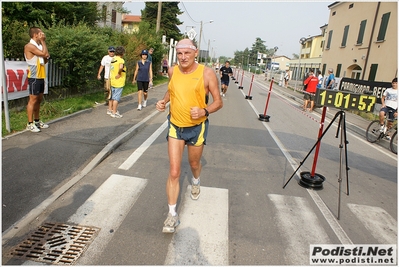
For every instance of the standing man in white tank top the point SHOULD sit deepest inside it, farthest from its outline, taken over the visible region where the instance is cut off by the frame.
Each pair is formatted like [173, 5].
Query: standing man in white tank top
[36, 55]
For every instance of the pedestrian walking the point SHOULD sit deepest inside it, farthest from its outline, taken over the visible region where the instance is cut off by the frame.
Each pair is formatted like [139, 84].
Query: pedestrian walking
[143, 77]
[118, 79]
[188, 92]
[105, 65]
[36, 56]
[309, 95]
[225, 73]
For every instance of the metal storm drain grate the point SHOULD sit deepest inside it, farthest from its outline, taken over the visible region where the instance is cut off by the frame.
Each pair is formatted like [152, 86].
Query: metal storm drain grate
[56, 243]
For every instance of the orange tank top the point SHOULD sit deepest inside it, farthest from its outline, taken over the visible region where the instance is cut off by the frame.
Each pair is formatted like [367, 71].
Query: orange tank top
[186, 91]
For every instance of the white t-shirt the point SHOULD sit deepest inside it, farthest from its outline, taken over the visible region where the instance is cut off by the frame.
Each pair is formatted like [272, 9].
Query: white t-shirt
[391, 98]
[106, 62]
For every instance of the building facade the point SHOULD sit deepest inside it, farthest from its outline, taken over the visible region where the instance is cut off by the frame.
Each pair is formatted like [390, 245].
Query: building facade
[310, 55]
[130, 23]
[362, 40]
[110, 15]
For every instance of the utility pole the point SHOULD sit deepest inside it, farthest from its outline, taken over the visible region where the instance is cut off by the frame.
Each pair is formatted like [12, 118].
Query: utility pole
[159, 16]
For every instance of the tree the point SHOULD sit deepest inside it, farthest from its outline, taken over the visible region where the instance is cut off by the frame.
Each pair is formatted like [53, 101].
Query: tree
[169, 20]
[49, 12]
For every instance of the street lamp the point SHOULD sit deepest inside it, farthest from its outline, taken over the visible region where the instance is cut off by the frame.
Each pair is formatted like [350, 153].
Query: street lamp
[271, 65]
[209, 42]
[199, 42]
[301, 41]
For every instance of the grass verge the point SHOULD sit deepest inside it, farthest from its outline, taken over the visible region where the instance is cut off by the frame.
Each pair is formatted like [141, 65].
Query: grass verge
[50, 110]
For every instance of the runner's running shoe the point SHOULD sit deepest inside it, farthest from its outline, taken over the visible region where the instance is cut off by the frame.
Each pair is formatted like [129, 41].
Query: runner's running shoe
[170, 223]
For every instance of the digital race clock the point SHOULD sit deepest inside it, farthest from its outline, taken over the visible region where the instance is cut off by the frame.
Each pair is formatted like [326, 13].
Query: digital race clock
[345, 100]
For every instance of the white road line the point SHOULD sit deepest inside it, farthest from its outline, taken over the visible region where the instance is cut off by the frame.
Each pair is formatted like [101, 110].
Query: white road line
[129, 162]
[202, 236]
[378, 222]
[299, 225]
[106, 208]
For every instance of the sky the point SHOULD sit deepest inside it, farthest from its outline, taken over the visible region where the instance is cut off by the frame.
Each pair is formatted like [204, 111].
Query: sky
[237, 24]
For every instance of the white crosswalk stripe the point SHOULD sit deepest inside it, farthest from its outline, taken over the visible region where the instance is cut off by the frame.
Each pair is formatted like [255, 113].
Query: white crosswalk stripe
[300, 227]
[106, 208]
[202, 236]
[378, 222]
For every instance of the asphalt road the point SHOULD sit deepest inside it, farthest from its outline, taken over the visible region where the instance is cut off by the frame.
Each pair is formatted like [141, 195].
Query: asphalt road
[244, 215]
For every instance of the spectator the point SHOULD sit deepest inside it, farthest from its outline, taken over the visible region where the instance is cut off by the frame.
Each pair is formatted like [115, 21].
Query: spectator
[310, 92]
[286, 78]
[150, 51]
[118, 79]
[331, 79]
[165, 65]
[143, 77]
[105, 65]
[36, 56]
[320, 78]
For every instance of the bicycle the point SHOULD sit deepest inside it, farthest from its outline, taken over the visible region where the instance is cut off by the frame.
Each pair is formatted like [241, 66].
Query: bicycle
[375, 133]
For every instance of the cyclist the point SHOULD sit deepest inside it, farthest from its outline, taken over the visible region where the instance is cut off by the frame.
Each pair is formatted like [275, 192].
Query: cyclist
[389, 104]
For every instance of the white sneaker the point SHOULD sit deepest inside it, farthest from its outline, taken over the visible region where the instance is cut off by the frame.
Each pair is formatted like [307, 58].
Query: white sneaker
[139, 107]
[116, 115]
[32, 127]
[41, 125]
[224, 95]
[144, 103]
[109, 112]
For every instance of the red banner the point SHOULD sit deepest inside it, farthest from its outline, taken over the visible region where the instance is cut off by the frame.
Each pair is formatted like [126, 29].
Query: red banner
[17, 79]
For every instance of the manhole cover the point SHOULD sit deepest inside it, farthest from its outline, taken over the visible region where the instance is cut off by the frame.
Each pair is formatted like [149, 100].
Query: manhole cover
[56, 243]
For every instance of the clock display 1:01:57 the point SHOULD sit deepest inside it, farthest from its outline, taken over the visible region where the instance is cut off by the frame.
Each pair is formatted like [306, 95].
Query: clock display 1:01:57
[345, 100]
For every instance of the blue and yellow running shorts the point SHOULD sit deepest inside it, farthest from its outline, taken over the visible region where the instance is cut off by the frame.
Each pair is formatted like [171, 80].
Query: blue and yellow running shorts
[194, 135]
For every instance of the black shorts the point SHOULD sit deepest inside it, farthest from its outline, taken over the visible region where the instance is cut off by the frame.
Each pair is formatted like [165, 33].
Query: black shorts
[36, 86]
[308, 96]
[142, 86]
[389, 112]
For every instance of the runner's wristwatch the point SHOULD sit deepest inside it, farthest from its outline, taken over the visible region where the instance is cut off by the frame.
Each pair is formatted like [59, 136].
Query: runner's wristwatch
[206, 112]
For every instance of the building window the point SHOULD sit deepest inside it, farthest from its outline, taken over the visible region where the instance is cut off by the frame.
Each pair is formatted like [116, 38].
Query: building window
[330, 33]
[361, 32]
[323, 71]
[104, 13]
[334, 13]
[373, 72]
[345, 37]
[338, 72]
[383, 26]
[113, 19]
[350, 6]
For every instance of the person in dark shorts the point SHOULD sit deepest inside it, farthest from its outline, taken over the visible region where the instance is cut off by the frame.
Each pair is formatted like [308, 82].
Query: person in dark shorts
[225, 73]
[389, 105]
[143, 77]
[36, 55]
[310, 92]
[188, 121]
